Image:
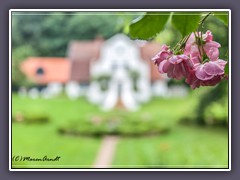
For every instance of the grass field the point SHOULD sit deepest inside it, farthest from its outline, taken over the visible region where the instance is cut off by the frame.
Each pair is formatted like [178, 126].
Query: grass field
[39, 140]
[182, 146]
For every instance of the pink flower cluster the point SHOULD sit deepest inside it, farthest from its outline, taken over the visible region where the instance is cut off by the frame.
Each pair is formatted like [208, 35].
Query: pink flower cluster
[199, 62]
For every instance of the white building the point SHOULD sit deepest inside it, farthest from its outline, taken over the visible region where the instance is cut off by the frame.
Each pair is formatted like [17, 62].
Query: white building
[112, 72]
[120, 59]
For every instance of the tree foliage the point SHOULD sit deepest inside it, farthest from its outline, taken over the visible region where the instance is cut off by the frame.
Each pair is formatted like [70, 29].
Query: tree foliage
[19, 54]
[152, 23]
[50, 34]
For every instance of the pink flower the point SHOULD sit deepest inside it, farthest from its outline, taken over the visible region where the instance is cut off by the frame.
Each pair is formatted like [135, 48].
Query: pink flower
[177, 66]
[192, 80]
[210, 47]
[195, 56]
[207, 36]
[162, 55]
[192, 63]
[192, 49]
[211, 50]
[190, 42]
[207, 74]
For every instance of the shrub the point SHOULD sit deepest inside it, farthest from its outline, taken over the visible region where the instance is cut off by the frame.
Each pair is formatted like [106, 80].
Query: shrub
[31, 118]
[123, 125]
[216, 114]
[212, 108]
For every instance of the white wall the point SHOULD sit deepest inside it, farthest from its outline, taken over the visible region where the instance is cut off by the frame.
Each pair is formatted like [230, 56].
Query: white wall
[119, 55]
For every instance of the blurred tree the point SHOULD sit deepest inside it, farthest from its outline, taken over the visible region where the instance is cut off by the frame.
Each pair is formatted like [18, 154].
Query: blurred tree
[49, 34]
[19, 54]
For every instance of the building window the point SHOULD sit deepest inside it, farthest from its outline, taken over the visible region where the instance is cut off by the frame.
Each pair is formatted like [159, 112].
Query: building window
[39, 71]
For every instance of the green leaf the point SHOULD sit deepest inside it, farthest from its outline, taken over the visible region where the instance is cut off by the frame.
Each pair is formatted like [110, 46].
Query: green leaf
[227, 66]
[226, 69]
[148, 26]
[186, 22]
[223, 16]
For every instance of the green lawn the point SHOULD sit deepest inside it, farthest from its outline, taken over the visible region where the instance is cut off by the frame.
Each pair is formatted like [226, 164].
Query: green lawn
[185, 147]
[39, 140]
[181, 146]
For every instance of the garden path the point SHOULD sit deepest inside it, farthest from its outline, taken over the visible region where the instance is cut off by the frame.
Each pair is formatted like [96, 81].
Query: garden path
[106, 152]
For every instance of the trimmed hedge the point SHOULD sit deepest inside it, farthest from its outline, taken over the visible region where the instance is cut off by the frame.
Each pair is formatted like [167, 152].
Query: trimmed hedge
[123, 125]
[30, 118]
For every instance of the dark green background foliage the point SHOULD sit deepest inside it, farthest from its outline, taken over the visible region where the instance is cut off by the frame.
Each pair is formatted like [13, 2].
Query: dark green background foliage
[213, 105]
[49, 34]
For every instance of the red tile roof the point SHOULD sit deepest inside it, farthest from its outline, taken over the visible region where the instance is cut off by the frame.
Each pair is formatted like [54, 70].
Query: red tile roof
[54, 69]
[84, 50]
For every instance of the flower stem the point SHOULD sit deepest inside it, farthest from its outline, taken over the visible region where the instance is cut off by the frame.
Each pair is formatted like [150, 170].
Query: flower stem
[199, 38]
[204, 18]
[179, 47]
[181, 44]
